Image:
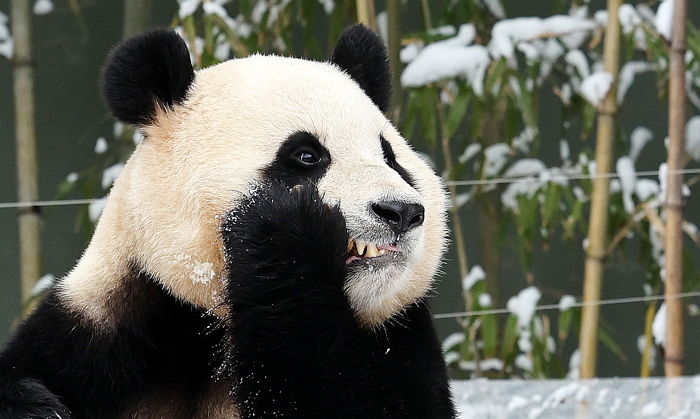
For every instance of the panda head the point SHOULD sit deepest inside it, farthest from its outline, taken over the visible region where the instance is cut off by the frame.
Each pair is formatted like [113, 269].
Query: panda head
[210, 136]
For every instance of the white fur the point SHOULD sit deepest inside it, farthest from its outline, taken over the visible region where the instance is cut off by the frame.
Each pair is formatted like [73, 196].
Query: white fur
[164, 209]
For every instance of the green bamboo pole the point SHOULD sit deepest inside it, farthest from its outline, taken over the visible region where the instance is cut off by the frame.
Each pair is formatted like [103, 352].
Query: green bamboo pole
[27, 166]
[394, 45]
[673, 243]
[598, 222]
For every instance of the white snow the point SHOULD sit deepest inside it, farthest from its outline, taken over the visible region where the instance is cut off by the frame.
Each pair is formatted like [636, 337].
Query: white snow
[444, 30]
[646, 189]
[566, 302]
[523, 362]
[527, 187]
[118, 129]
[628, 178]
[137, 138]
[42, 7]
[110, 174]
[484, 365]
[517, 403]
[574, 365]
[595, 87]
[523, 305]
[525, 167]
[187, 7]
[577, 59]
[651, 409]
[469, 152]
[639, 138]
[629, 18]
[476, 274]
[508, 33]
[485, 300]
[495, 7]
[100, 145]
[44, 283]
[564, 151]
[453, 339]
[202, 273]
[212, 8]
[410, 52]
[6, 43]
[95, 208]
[627, 74]
[664, 19]
[692, 138]
[328, 6]
[72, 177]
[523, 140]
[446, 59]
[495, 157]
[658, 326]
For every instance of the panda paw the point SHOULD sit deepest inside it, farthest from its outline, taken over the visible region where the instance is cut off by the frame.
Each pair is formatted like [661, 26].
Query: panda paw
[28, 398]
[281, 240]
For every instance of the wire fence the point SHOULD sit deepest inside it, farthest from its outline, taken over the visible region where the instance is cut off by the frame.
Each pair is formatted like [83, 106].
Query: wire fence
[471, 182]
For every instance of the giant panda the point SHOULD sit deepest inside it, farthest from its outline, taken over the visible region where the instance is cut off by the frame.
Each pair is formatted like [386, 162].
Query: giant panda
[267, 251]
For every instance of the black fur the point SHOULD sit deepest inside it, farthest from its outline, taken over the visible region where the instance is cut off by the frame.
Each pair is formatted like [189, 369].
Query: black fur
[285, 169]
[361, 53]
[390, 159]
[149, 70]
[297, 349]
[58, 362]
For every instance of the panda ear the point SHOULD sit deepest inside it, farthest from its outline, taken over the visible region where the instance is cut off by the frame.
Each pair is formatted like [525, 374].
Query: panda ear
[361, 53]
[146, 71]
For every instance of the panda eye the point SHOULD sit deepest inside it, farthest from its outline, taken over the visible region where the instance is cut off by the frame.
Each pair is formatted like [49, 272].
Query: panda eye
[306, 157]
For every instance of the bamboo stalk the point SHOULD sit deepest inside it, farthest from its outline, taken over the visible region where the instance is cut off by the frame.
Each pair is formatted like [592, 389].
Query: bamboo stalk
[27, 167]
[598, 222]
[394, 44]
[645, 367]
[366, 14]
[673, 244]
[458, 235]
[137, 17]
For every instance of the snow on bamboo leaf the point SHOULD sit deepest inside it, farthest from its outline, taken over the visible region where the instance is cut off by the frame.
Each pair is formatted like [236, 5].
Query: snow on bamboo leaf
[595, 87]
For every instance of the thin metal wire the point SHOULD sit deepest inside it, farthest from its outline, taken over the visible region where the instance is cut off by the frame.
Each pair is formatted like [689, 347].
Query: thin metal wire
[53, 203]
[544, 307]
[472, 182]
[562, 176]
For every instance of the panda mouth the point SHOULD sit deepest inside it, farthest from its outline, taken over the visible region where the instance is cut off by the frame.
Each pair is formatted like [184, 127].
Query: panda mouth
[359, 250]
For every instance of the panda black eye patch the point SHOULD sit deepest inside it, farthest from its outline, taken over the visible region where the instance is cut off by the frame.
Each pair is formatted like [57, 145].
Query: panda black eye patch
[301, 157]
[390, 160]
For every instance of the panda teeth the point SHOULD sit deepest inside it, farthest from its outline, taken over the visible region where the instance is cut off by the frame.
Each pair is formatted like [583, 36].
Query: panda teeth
[360, 246]
[371, 251]
[364, 249]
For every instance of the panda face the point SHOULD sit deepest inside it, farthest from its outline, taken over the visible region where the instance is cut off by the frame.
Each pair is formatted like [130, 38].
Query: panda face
[267, 118]
[248, 121]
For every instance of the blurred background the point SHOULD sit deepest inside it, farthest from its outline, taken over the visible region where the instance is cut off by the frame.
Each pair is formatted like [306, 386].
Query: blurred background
[505, 108]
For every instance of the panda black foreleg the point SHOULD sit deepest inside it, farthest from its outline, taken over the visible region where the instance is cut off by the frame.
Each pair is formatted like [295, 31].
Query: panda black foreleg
[296, 348]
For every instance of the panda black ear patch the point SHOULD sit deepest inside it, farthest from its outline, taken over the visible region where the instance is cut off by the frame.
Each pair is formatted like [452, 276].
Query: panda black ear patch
[361, 53]
[146, 71]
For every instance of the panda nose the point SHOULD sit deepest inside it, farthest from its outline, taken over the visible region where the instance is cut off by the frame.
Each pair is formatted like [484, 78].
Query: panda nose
[401, 216]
